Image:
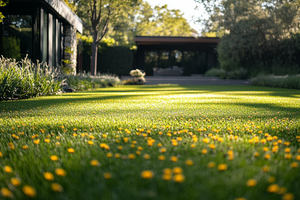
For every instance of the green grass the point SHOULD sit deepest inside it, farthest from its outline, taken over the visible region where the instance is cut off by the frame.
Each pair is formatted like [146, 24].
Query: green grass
[202, 111]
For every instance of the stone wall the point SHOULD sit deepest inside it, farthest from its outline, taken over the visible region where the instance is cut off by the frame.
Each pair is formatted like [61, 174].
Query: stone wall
[70, 48]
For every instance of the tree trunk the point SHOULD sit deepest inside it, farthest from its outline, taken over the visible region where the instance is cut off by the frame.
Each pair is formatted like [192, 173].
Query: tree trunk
[94, 54]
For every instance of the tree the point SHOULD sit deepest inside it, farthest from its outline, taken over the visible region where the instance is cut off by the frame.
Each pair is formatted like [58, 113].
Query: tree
[253, 31]
[2, 4]
[96, 15]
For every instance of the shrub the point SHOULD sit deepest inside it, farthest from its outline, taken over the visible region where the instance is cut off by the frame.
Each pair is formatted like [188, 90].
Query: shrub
[288, 81]
[85, 81]
[23, 79]
[215, 72]
[240, 73]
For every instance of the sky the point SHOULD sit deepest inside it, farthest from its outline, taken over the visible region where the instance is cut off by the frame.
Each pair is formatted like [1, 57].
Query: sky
[185, 6]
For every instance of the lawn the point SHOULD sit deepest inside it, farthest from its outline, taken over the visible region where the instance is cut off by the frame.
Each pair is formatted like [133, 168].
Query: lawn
[153, 142]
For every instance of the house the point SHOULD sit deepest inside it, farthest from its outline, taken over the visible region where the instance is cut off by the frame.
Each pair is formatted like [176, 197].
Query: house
[44, 30]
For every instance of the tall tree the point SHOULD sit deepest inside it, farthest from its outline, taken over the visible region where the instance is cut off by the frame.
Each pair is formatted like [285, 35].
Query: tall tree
[252, 29]
[96, 15]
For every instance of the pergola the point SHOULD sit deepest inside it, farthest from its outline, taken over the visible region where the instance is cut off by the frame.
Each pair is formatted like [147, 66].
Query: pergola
[193, 55]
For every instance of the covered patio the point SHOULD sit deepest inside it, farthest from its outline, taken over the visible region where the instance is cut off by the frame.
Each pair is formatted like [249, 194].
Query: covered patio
[175, 56]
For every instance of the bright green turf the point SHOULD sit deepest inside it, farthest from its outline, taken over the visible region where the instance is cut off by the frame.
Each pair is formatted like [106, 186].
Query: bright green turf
[202, 111]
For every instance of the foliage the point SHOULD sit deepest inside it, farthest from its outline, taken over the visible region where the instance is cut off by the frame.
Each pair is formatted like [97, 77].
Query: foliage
[239, 73]
[288, 81]
[2, 4]
[12, 48]
[153, 142]
[258, 35]
[21, 80]
[85, 81]
[137, 73]
[215, 72]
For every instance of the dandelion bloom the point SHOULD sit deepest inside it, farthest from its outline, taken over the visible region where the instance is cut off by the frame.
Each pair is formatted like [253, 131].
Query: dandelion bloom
[90, 142]
[204, 151]
[15, 181]
[266, 169]
[131, 156]
[1, 155]
[147, 156]
[6, 193]
[167, 171]
[109, 155]
[161, 157]
[288, 156]
[273, 188]
[189, 162]
[174, 159]
[211, 164]
[24, 147]
[167, 177]
[163, 150]
[71, 150]
[256, 154]
[294, 165]
[193, 145]
[29, 191]
[7, 169]
[267, 156]
[117, 155]
[94, 162]
[48, 176]
[60, 172]
[47, 140]
[222, 167]
[147, 174]
[107, 175]
[56, 187]
[177, 170]
[287, 150]
[288, 196]
[54, 158]
[179, 178]
[206, 140]
[251, 183]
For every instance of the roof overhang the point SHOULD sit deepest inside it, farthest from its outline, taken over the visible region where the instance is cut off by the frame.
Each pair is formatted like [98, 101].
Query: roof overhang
[63, 9]
[154, 40]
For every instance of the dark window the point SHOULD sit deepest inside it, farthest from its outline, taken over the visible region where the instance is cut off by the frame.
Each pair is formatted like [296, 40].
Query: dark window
[17, 36]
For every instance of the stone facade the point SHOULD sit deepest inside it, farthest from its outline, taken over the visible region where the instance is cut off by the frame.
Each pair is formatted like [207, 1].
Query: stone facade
[70, 48]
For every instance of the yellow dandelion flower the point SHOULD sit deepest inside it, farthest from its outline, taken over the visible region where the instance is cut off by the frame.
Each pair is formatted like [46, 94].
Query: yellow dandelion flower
[167, 171]
[256, 154]
[71, 150]
[29, 191]
[189, 162]
[288, 196]
[212, 146]
[298, 157]
[266, 169]
[161, 157]
[147, 174]
[206, 140]
[94, 163]
[287, 150]
[204, 151]
[177, 170]
[251, 183]
[90, 142]
[7, 169]
[56, 187]
[179, 178]
[6, 193]
[15, 181]
[288, 156]
[117, 155]
[167, 177]
[140, 148]
[211, 164]
[47, 140]
[294, 165]
[125, 140]
[1, 155]
[60, 172]
[48, 176]
[147, 156]
[163, 150]
[109, 155]
[266, 149]
[36, 141]
[273, 188]
[174, 159]
[267, 156]
[54, 158]
[131, 156]
[222, 167]
[193, 145]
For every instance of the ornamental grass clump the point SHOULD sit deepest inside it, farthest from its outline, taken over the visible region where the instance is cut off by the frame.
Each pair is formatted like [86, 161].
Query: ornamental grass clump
[24, 79]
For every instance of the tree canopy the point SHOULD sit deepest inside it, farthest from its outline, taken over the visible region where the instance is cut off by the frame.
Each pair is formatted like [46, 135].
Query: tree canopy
[253, 30]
